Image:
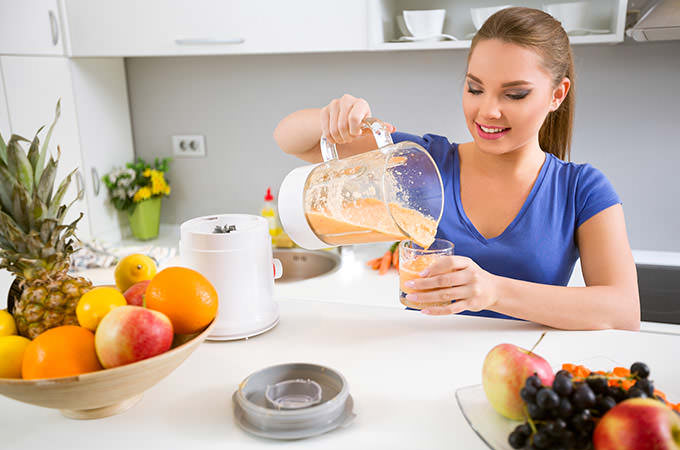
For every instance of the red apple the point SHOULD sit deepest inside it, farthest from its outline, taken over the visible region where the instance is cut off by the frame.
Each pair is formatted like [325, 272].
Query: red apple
[506, 368]
[135, 293]
[638, 424]
[131, 333]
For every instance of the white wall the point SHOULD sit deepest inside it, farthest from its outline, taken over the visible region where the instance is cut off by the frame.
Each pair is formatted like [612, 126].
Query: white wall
[626, 108]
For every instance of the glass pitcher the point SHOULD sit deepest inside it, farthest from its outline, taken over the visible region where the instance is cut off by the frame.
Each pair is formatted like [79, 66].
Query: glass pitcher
[392, 193]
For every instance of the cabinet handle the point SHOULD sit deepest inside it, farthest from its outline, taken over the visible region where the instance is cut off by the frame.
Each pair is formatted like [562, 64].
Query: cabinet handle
[96, 182]
[80, 183]
[209, 41]
[54, 27]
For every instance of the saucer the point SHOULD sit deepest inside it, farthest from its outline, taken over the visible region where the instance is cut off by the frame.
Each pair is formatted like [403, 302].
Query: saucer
[436, 37]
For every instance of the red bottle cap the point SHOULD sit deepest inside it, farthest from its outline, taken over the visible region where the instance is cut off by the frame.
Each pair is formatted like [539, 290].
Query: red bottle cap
[269, 197]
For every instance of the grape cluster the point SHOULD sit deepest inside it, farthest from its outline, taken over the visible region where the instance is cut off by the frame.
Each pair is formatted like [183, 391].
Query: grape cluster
[564, 415]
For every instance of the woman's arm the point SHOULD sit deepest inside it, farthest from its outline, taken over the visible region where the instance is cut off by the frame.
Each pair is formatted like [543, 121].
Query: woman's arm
[610, 299]
[299, 133]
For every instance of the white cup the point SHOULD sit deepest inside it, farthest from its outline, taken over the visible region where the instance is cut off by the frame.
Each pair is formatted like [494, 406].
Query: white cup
[424, 23]
[572, 16]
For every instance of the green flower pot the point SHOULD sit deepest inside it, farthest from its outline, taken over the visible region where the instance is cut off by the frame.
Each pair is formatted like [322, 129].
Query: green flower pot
[145, 218]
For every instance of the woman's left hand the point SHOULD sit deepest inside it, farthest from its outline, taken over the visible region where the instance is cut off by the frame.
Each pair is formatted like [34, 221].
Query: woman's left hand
[456, 278]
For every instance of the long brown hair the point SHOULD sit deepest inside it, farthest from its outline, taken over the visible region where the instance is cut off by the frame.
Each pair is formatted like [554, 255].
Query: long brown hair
[535, 29]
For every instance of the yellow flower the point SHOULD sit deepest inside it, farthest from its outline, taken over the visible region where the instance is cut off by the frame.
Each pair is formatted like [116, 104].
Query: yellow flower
[147, 173]
[142, 194]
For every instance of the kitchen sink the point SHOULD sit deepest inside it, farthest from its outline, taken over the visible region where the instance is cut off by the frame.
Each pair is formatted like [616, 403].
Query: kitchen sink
[299, 264]
[659, 293]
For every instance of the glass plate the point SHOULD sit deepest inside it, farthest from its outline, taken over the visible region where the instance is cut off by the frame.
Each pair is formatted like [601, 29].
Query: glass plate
[491, 427]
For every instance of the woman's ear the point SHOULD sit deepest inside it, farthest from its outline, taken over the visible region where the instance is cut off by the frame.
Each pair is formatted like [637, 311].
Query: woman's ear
[560, 93]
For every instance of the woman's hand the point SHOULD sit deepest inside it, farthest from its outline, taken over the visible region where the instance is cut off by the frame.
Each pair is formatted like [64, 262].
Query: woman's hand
[454, 278]
[341, 119]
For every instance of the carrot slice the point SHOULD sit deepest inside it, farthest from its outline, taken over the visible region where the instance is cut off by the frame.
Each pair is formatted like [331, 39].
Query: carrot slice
[395, 258]
[621, 372]
[627, 384]
[569, 368]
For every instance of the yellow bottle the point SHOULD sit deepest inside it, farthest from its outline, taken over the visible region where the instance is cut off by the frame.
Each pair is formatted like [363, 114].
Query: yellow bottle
[269, 213]
[279, 237]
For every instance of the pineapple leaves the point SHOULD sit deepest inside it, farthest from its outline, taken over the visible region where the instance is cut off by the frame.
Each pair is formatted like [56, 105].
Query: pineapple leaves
[61, 190]
[46, 183]
[34, 150]
[18, 163]
[7, 184]
[3, 150]
[12, 233]
[20, 208]
[43, 151]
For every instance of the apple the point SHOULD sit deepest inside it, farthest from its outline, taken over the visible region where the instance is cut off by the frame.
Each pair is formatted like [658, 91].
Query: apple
[505, 370]
[638, 424]
[131, 333]
[135, 293]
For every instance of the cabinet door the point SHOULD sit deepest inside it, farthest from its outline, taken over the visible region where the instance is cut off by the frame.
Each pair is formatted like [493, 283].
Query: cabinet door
[199, 27]
[30, 27]
[105, 135]
[33, 85]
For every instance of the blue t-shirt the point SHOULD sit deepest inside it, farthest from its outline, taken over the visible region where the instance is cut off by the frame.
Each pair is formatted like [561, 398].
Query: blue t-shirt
[539, 244]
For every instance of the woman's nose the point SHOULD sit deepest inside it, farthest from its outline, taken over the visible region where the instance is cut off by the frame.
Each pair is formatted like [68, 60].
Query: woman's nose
[490, 108]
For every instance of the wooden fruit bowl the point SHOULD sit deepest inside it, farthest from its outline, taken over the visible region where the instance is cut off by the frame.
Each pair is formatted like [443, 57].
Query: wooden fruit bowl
[105, 392]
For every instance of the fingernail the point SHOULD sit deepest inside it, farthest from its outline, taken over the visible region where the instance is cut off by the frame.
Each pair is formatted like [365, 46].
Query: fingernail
[424, 273]
[426, 311]
[410, 284]
[412, 297]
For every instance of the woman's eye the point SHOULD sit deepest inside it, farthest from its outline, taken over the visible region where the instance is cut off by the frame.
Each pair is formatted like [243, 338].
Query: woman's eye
[474, 91]
[518, 95]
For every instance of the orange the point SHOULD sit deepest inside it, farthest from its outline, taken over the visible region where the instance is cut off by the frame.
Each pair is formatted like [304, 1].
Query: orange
[185, 296]
[60, 352]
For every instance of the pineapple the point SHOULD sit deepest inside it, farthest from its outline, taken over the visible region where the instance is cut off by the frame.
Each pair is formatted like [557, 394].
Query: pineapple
[34, 243]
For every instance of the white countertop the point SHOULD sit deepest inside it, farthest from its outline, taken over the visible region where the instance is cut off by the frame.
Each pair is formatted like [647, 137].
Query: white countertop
[403, 369]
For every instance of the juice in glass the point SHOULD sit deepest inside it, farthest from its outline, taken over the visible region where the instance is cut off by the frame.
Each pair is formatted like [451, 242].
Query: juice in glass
[413, 259]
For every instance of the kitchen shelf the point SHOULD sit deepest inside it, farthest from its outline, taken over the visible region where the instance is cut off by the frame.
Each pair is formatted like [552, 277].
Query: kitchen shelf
[383, 29]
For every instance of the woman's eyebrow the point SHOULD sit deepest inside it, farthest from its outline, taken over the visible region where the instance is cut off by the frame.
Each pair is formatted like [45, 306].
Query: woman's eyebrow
[509, 84]
[516, 83]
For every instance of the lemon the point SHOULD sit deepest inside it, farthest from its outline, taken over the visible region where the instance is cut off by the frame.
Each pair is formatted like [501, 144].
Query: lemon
[133, 269]
[7, 325]
[95, 304]
[12, 350]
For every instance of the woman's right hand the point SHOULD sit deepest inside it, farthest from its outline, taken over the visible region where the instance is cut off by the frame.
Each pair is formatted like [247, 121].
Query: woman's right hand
[341, 119]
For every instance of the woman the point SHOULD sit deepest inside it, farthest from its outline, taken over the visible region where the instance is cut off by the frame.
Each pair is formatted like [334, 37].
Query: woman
[519, 215]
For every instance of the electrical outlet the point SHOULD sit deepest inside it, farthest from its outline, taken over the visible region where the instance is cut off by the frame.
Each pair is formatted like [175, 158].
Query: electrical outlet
[189, 146]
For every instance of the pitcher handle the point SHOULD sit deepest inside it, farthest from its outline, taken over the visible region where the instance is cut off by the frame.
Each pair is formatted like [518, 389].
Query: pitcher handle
[381, 134]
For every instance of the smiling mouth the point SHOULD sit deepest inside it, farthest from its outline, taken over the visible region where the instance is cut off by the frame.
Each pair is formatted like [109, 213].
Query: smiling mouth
[491, 130]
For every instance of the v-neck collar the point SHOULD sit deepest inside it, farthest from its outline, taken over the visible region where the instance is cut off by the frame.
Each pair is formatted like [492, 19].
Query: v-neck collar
[518, 217]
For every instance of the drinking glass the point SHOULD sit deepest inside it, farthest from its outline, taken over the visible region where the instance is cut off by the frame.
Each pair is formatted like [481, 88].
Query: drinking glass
[413, 259]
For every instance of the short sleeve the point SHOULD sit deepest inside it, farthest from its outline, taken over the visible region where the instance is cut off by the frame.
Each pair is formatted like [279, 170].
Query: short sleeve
[437, 146]
[594, 193]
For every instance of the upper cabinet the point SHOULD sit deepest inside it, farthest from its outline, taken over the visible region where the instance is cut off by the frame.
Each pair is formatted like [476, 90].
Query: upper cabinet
[204, 27]
[30, 27]
[586, 22]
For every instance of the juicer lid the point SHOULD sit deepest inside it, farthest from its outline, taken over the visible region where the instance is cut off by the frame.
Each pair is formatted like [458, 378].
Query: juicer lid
[222, 231]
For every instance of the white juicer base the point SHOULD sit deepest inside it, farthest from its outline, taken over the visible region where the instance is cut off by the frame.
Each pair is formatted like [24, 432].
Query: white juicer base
[237, 336]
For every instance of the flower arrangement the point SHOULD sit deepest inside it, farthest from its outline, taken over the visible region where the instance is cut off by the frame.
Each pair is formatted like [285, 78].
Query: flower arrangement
[137, 182]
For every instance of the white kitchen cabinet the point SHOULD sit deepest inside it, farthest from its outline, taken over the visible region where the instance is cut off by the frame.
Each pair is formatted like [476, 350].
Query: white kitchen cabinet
[604, 22]
[30, 27]
[203, 27]
[93, 131]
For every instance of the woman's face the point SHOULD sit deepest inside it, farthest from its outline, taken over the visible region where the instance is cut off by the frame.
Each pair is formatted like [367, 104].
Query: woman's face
[507, 96]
